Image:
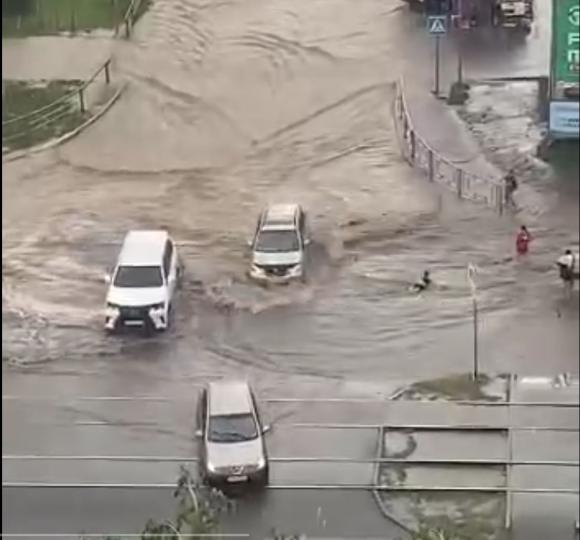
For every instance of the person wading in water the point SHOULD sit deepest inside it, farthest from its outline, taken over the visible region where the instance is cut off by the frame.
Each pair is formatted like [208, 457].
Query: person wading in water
[523, 240]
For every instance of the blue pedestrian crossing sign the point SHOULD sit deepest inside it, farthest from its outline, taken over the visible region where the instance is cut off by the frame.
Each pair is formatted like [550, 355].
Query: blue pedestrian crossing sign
[437, 24]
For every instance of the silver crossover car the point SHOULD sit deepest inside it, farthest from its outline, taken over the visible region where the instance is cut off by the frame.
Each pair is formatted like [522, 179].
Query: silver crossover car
[231, 434]
[278, 247]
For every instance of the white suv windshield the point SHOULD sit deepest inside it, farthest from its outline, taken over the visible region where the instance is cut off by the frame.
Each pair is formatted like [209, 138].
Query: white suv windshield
[277, 241]
[232, 428]
[138, 276]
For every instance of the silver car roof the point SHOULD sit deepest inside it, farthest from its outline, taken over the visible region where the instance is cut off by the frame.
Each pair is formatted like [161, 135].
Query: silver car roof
[229, 397]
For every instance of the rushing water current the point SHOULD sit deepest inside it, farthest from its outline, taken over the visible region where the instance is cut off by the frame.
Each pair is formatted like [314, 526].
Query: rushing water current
[231, 105]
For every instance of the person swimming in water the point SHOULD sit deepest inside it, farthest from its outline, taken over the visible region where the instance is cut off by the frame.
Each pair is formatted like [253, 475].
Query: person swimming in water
[423, 283]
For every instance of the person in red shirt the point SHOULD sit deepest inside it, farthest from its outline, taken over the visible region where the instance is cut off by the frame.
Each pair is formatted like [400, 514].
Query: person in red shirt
[523, 240]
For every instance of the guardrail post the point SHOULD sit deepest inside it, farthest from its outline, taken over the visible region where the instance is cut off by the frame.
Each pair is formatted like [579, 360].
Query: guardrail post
[412, 142]
[459, 182]
[107, 72]
[82, 100]
[431, 164]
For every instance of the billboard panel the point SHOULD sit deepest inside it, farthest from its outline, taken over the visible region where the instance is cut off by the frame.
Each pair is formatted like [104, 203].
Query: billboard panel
[565, 41]
[565, 119]
[565, 69]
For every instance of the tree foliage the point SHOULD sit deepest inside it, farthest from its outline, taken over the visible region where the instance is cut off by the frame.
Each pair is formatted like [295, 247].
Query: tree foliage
[199, 509]
[430, 533]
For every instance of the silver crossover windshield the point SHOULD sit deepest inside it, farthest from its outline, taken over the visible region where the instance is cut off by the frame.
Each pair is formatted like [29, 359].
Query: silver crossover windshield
[232, 428]
[277, 242]
[138, 276]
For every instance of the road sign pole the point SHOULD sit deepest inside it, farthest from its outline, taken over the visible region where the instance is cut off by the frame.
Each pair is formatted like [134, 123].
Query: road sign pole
[475, 344]
[471, 271]
[437, 26]
[437, 63]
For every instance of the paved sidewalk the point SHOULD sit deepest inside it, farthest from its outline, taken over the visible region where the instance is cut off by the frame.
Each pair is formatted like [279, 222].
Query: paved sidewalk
[441, 128]
[54, 57]
[541, 516]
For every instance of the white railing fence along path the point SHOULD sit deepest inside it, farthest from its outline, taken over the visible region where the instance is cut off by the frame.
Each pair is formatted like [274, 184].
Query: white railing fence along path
[439, 169]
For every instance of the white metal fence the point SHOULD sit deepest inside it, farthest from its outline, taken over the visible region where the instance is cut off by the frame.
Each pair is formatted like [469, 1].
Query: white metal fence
[421, 155]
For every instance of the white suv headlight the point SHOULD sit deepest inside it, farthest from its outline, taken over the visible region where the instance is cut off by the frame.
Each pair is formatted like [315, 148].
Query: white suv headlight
[296, 269]
[261, 463]
[157, 307]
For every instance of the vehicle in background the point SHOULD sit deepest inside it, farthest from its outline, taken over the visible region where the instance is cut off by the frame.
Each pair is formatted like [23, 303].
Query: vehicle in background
[143, 283]
[230, 431]
[468, 14]
[278, 247]
[514, 14]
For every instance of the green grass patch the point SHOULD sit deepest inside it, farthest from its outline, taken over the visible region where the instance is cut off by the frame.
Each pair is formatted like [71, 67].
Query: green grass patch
[50, 17]
[456, 388]
[450, 516]
[23, 98]
[473, 516]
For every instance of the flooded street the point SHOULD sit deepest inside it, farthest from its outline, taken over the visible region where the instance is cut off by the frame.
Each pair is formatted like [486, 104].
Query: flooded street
[232, 105]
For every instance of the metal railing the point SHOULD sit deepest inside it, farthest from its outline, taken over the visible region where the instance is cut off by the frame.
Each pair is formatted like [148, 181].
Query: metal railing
[467, 462]
[439, 169]
[66, 400]
[129, 18]
[73, 105]
[508, 489]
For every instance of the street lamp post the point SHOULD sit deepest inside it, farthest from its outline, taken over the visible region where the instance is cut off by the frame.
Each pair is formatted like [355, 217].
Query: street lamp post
[471, 271]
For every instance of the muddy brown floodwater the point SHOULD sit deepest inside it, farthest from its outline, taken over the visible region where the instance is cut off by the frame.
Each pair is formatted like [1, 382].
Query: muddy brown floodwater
[231, 105]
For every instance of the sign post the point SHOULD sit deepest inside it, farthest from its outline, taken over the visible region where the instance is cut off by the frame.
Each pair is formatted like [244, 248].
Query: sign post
[437, 26]
[471, 271]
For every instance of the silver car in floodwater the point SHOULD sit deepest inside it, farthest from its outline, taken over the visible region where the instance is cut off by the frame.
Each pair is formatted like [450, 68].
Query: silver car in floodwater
[278, 247]
[232, 449]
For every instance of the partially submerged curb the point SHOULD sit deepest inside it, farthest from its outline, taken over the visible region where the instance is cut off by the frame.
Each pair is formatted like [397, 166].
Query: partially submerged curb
[19, 154]
[413, 392]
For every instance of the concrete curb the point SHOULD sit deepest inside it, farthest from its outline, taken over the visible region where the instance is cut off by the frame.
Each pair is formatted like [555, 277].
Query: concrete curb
[19, 154]
[377, 469]
[410, 114]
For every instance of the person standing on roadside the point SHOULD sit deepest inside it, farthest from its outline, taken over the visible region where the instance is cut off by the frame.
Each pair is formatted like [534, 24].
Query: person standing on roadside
[567, 264]
[511, 185]
[523, 240]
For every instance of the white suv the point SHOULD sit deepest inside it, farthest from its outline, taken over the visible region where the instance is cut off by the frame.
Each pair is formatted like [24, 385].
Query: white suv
[231, 432]
[278, 247]
[143, 284]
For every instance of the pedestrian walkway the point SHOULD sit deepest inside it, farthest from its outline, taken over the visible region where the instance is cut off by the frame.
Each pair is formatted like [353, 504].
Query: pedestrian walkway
[54, 57]
[537, 516]
[439, 126]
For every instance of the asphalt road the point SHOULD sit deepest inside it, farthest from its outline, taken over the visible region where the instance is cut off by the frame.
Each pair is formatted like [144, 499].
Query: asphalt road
[231, 105]
[315, 513]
